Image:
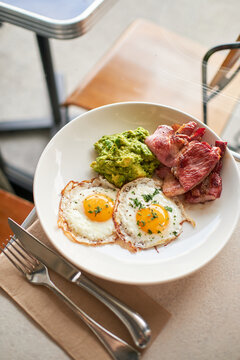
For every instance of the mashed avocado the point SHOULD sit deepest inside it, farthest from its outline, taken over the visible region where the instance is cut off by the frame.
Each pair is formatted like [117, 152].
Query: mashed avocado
[124, 157]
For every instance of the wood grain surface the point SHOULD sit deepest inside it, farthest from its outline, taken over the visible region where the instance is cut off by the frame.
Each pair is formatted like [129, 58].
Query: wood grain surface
[151, 63]
[14, 207]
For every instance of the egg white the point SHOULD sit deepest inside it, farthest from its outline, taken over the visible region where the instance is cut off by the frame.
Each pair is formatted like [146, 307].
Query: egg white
[126, 209]
[72, 218]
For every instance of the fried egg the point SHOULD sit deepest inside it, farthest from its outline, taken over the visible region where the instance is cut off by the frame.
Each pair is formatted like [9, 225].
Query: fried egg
[85, 211]
[144, 217]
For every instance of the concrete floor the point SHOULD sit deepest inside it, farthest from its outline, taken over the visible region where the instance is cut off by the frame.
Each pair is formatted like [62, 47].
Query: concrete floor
[22, 87]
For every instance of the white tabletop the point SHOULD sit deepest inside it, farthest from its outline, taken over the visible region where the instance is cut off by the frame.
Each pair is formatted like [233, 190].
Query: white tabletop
[54, 19]
[204, 324]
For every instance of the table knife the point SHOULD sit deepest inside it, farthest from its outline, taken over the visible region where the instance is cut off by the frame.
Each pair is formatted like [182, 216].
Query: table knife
[136, 325]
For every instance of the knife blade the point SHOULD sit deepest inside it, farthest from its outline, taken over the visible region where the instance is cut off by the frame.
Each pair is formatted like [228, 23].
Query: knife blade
[137, 326]
[44, 254]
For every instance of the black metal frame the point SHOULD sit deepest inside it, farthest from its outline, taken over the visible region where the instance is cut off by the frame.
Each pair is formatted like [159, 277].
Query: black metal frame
[205, 87]
[47, 63]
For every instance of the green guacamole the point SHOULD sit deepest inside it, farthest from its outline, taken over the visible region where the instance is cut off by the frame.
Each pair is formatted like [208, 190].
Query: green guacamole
[124, 157]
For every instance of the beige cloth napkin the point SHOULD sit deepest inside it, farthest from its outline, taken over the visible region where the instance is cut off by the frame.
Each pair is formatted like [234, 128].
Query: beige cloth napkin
[62, 325]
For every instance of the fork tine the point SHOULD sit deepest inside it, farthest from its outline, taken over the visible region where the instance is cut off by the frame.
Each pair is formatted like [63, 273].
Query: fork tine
[19, 257]
[16, 264]
[32, 261]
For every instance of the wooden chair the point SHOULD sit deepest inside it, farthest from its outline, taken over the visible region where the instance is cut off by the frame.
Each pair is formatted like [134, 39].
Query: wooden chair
[14, 207]
[150, 63]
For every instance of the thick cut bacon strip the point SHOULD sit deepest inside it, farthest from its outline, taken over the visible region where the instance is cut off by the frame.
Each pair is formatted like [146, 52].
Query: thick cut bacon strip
[198, 134]
[211, 187]
[187, 162]
[186, 129]
[167, 142]
[190, 131]
[171, 186]
[222, 145]
[165, 145]
[195, 163]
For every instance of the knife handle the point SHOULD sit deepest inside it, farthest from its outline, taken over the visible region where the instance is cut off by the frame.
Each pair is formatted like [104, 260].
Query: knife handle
[136, 325]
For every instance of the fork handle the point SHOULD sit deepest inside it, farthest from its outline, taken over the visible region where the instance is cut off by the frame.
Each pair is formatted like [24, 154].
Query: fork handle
[137, 326]
[117, 348]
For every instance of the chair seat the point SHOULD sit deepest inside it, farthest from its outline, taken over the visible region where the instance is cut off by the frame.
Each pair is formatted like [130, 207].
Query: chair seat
[150, 63]
[14, 207]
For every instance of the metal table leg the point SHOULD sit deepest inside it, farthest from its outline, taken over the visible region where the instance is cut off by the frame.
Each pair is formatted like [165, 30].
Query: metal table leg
[45, 54]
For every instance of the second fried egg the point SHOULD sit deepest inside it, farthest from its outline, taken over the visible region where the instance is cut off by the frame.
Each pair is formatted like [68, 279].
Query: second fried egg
[85, 212]
[144, 217]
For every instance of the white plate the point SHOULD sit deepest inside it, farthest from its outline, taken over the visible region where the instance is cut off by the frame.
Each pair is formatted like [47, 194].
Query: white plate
[68, 157]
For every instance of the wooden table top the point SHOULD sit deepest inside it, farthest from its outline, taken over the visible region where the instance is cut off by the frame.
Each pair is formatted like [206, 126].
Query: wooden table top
[14, 207]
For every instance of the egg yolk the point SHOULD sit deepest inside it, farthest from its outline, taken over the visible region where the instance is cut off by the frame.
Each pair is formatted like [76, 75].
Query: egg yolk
[153, 219]
[98, 207]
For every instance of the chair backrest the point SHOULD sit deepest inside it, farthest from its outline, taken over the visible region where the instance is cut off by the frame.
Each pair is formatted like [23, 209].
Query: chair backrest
[150, 63]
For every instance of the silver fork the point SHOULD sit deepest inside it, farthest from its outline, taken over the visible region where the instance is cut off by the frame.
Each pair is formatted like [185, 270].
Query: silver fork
[37, 274]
